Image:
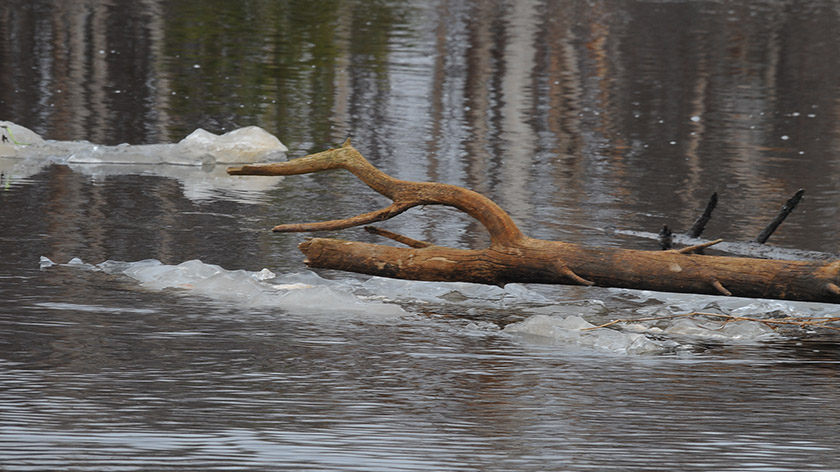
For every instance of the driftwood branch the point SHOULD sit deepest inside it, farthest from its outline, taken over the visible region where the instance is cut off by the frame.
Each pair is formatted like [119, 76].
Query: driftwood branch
[397, 237]
[786, 209]
[515, 257]
[750, 249]
[755, 248]
[404, 194]
[699, 225]
[697, 247]
[802, 322]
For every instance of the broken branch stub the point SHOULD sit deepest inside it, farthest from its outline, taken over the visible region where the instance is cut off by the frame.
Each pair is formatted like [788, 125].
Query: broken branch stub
[515, 257]
[786, 210]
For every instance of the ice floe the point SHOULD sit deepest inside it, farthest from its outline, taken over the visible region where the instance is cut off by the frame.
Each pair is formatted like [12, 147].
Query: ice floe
[655, 323]
[575, 330]
[462, 292]
[240, 146]
[198, 161]
[244, 288]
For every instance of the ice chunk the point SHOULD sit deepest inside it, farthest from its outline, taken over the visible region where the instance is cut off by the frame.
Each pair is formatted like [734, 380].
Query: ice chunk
[305, 277]
[264, 274]
[570, 330]
[241, 145]
[460, 292]
[775, 307]
[13, 135]
[200, 138]
[736, 331]
[80, 264]
[239, 286]
[320, 299]
[244, 145]
[570, 307]
[192, 161]
[292, 286]
[14, 140]
[246, 288]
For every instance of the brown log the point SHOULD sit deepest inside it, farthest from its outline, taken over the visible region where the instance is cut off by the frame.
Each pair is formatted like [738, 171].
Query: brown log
[749, 249]
[515, 257]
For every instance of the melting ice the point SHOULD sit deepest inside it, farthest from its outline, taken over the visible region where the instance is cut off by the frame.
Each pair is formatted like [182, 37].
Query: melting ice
[245, 288]
[568, 324]
[192, 160]
[240, 146]
[575, 330]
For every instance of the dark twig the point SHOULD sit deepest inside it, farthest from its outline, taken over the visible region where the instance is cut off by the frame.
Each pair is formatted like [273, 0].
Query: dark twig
[783, 213]
[813, 321]
[666, 238]
[700, 224]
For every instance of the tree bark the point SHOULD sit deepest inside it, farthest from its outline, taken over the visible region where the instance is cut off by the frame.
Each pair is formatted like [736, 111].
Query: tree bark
[515, 257]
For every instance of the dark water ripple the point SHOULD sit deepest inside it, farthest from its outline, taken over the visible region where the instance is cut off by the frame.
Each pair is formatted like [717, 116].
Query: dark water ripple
[573, 116]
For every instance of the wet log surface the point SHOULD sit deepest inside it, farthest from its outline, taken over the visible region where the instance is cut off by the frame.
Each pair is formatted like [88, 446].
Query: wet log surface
[515, 257]
[749, 249]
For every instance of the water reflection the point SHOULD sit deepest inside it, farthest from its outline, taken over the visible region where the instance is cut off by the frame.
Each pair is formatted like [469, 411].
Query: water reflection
[574, 116]
[295, 393]
[539, 105]
[198, 162]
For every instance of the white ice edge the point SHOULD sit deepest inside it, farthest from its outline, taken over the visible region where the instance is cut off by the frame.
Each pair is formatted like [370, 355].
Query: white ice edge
[198, 161]
[546, 321]
[244, 288]
[240, 146]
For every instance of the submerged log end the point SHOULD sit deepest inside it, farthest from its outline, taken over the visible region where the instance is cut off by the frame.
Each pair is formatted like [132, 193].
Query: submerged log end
[306, 248]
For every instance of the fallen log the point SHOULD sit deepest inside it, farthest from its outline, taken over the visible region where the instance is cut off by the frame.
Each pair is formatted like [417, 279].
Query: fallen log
[514, 257]
[755, 248]
[749, 249]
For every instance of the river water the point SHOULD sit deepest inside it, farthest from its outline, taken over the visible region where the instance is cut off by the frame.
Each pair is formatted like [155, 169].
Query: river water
[139, 331]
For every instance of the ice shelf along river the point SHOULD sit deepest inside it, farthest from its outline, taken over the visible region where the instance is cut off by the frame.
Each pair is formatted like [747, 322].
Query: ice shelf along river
[150, 320]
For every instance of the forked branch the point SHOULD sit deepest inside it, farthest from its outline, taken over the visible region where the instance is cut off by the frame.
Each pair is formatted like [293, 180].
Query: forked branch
[332, 225]
[404, 194]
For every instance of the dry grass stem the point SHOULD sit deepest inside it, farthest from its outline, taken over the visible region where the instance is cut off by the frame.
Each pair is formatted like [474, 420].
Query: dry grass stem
[815, 322]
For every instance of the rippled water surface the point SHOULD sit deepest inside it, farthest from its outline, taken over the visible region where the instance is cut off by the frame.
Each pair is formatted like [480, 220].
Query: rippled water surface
[140, 331]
